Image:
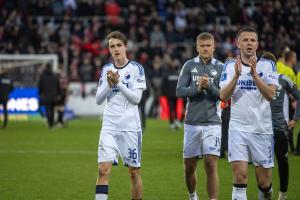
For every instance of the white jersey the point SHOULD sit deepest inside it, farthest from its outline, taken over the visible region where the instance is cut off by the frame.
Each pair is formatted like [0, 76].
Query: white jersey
[119, 113]
[250, 111]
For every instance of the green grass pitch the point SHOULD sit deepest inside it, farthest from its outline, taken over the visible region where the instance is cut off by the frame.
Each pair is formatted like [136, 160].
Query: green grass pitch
[61, 164]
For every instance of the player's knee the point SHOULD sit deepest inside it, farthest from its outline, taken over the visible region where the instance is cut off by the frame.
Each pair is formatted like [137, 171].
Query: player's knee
[190, 168]
[263, 183]
[210, 166]
[240, 178]
[103, 171]
[134, 172]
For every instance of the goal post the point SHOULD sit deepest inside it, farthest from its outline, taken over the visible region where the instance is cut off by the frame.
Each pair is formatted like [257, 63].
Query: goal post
[24, 69]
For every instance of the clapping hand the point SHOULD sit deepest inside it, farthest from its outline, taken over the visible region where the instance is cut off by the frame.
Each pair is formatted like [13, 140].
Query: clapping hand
[252, 62]
[202, 82]
[238, 66]
[112, 78]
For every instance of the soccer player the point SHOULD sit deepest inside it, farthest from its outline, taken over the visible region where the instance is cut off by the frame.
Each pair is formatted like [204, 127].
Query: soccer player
[250, 83]
[280, 127]
[121, 84]
[198, 82]
[6, 87]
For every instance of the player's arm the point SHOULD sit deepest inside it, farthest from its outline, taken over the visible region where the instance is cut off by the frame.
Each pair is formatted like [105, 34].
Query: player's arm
[292, 90]
[103, 88]
[266, 89]
[133, 96]
[227, 90]
[183, 88]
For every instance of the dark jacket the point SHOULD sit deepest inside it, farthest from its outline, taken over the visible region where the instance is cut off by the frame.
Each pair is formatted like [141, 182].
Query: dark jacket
[169, 83]
[49, 87]
[201, 107]
[6, 86]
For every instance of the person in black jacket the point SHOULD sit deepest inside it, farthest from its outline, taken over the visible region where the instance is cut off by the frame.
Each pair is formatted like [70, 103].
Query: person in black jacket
[6, 86]
[49, 92]
[169, 84]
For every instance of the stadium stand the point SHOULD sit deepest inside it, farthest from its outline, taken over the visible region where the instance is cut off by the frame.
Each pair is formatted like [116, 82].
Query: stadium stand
[75, 30]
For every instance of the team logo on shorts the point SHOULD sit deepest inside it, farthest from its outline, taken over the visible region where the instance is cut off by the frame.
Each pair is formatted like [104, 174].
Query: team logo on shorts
[213, 72]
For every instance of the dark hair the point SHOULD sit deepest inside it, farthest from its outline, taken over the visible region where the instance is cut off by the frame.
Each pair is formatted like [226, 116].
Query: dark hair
[289, 54]
[268, 55]
[116, 35]
[246, 29]
[205, 36]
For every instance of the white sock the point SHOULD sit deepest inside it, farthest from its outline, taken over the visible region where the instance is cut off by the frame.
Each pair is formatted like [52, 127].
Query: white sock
[265, 195]
[193, 196]
[101, 197]
[239, 193]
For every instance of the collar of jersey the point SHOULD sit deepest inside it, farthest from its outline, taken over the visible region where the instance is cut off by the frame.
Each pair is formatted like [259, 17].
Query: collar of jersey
[208, 62]
[247, 64]
[121, 67]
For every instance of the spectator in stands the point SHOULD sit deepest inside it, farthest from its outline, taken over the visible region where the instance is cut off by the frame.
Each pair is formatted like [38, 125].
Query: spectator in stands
[49, 92]
[6, 87]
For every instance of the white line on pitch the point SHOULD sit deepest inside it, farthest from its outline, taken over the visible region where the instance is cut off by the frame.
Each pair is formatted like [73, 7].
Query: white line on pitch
[47, 152]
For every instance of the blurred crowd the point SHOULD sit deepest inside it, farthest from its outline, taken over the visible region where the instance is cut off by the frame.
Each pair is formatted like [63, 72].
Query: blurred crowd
[161, 33]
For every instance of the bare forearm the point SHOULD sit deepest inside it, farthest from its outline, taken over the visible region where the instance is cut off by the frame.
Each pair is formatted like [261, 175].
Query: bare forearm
[267, 91]
[227, 91]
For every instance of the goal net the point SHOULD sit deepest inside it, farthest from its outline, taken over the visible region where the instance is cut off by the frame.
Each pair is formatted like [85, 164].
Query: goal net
[25, 69]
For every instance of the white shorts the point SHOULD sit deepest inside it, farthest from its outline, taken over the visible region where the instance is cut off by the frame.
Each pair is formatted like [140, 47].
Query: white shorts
[201, 140]
[126, 144]
[251, 147]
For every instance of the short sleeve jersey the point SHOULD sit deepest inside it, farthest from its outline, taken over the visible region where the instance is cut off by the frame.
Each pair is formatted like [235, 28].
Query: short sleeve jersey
[250, 111]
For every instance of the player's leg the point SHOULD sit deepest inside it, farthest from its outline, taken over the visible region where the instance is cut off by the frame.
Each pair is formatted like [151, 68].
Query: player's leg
[107, 155]
[263, 178]
[136, 183]
[50, 114]
[291, 140]
[211, 149]
[297, 151]
[172, 111]
[60, 112]
[240, 180]
[191, 151]
[281, 153]
[190, 166]
[224, 139]
[261, 147]
[238, 156]
[130, 145]
[212, 179]
[104, 170]
[5, 112]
